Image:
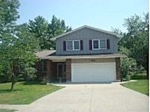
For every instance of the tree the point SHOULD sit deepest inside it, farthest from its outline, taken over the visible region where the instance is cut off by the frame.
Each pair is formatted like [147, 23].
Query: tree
[57, 27]
[8, 17]
[136, 39]
[44, 31]
[38, 27]
[18, 52]
[128, 64]
[17, 46]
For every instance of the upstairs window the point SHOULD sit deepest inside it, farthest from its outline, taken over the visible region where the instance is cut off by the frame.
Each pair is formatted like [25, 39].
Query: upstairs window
[95, 44]
[72, 45]
[99, 44]
[69, 46]
[103, 44]
[76, 45]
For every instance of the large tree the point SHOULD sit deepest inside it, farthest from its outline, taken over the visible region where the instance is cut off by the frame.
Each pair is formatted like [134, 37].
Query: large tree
[57, 27]
[8, 16]
[136, 39]
[44, 31]
[38, 27]
[17, 46]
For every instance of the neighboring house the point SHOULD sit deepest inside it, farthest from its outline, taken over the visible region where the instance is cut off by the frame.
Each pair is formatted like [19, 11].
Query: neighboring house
[86, 54]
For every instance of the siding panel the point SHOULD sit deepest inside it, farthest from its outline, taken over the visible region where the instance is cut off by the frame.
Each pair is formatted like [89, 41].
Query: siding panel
[86, 35]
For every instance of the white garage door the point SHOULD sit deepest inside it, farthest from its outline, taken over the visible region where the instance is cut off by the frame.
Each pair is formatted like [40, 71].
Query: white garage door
[93, 72]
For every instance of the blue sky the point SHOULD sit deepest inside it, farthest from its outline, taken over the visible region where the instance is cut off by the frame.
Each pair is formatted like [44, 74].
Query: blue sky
[103, 14]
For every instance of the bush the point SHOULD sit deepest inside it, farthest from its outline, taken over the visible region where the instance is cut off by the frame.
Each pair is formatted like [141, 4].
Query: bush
[128, 77]
[138, 77]
[127, 67]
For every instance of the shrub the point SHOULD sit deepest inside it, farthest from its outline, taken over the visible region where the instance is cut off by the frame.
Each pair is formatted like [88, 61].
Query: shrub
[138, 77]
[128, 77]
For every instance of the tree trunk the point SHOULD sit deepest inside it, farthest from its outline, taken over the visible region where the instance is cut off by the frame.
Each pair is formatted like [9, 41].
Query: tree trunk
[147, 67]
[12, 82]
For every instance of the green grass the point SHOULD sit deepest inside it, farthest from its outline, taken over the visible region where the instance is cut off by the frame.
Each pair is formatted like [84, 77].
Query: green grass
[140, 86]
[24, 93]
[6, 110]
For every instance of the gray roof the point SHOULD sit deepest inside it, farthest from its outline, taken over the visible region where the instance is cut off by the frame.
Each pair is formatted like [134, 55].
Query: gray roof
[89, 27]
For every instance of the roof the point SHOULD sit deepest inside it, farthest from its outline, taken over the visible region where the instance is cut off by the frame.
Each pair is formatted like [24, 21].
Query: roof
[89, 27]
[55, 57]
[51, 54]
[45, 53]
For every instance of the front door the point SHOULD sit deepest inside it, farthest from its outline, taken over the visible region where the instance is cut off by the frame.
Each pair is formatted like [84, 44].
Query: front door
[61, 69]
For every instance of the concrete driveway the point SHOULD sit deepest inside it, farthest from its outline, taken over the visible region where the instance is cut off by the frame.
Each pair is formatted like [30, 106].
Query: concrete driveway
[91, 98]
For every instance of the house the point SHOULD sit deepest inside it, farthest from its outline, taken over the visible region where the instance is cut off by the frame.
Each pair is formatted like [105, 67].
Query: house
[86, 54]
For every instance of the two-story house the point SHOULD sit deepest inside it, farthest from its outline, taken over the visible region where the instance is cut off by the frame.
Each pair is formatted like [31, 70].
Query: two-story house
[86, 54]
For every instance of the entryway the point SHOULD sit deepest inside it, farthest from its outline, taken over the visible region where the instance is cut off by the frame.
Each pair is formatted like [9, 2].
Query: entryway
[61, 72]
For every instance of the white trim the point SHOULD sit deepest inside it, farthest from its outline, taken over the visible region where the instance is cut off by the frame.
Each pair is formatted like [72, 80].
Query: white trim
[99, 42]
[93, 44]
[105, 42]
[73, 47]
[67, 45]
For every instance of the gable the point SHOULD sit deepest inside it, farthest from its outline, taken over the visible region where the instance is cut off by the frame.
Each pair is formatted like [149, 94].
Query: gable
[87, 30]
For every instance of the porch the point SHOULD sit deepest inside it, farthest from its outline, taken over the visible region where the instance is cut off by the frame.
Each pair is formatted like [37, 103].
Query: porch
[58, 71]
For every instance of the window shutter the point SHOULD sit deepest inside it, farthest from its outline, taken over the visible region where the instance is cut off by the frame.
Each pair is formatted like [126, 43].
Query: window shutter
[108, 44]
[64, 45]
[90, 44]
[81, 44]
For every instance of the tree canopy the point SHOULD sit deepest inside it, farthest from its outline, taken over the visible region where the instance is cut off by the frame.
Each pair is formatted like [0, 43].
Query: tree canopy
[44, 31]
[136, 39]
[17, 44]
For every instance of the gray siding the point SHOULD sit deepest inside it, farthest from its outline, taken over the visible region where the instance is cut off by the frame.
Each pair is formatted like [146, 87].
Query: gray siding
[86, 35]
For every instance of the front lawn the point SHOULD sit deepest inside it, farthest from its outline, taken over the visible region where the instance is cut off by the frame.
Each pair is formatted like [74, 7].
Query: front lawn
[24, 93]
[141, 86]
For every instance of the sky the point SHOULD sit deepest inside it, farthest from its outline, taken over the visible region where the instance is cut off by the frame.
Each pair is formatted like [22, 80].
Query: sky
[103, 14]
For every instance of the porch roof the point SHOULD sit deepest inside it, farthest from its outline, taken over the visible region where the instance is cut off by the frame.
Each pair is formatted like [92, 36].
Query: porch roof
[44, 53]
[55, 57]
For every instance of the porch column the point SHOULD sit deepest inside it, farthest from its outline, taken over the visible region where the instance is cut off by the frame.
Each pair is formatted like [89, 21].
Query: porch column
[118, 75]
[49, 70]
[68, 69]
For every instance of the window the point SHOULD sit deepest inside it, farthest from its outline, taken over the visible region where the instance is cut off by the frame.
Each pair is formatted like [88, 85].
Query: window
[95, 44]
[76, 45]
[103, 44]
[99, 44]
[69, 45]
[72, 45]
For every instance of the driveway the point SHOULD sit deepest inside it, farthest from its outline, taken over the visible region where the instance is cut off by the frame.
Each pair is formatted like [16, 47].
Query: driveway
[91, 98]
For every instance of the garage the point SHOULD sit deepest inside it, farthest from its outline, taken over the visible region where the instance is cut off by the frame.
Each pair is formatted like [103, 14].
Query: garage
[93, 72]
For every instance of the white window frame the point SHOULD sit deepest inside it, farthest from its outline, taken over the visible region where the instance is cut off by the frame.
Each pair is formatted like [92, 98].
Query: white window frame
[99, 40]
[93, 44]
[73, 47]
[105, 43]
